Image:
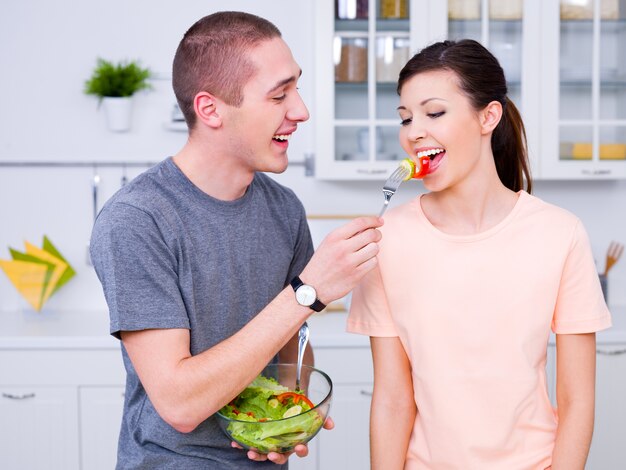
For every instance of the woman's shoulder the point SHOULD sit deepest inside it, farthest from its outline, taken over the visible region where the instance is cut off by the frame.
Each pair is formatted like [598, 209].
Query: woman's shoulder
[550, 213]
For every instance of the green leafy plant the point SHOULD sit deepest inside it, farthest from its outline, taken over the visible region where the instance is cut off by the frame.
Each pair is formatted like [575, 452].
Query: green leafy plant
[121, 79]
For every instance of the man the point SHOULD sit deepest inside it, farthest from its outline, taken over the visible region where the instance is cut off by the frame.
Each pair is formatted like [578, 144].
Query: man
[198, 255]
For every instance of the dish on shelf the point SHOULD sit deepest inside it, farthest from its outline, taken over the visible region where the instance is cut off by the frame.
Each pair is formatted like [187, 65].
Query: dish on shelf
[583, 151]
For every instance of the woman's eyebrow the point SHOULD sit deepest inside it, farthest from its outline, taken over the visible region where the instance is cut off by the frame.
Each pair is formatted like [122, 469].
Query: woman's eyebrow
[423, 102]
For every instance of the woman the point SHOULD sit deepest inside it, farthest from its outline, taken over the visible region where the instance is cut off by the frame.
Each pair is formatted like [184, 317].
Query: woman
[472, 276]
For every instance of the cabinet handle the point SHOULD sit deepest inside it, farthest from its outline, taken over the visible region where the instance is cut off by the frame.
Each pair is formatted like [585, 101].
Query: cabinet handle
[615, 352]
[18, 397]
[596, 172]
[369, 171]
[367, 393]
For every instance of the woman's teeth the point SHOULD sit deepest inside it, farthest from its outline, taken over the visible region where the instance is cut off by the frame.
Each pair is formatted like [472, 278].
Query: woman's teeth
[282, 137]
[429, 153]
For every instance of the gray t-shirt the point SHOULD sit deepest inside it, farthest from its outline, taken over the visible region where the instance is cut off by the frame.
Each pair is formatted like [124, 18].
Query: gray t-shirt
[170, 256]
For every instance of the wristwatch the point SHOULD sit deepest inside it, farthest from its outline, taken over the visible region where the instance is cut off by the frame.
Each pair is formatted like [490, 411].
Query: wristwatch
[306, 295]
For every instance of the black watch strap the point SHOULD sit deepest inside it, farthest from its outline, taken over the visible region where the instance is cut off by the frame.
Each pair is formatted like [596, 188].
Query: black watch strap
[317, 306]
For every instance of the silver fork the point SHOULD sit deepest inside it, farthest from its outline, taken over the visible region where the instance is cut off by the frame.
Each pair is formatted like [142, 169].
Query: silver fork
[392, 184]
[303, 339]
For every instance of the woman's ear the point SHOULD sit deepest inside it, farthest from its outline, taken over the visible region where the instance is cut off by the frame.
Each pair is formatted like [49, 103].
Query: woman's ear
[205, 106]
[490, 116]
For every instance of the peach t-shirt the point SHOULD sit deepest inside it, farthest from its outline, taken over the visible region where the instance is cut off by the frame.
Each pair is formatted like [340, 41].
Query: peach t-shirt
[474, 315]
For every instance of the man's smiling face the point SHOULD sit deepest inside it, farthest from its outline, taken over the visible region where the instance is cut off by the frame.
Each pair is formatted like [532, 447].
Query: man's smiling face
[270, 112]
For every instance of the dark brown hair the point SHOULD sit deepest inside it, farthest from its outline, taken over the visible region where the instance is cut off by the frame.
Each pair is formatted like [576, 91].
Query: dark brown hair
[481, 77]
[213, 57]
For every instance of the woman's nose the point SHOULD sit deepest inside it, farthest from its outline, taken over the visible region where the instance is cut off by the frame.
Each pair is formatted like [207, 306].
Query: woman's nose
[416, 131]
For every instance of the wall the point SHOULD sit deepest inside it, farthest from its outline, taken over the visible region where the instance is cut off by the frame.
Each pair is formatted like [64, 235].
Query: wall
[47, 51]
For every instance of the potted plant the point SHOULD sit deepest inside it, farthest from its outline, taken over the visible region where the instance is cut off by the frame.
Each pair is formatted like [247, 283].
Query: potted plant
[115, 85]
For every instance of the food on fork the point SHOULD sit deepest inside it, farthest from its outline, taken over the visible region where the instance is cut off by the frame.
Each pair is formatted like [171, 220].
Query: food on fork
[414, 171]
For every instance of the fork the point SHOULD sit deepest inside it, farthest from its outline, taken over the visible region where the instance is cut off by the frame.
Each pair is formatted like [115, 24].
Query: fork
[303, 339]
[392, 184]
[612, 255]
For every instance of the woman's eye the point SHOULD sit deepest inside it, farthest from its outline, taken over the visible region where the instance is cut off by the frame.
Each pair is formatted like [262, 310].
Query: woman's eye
[435, 115]
[405, 122]
[280, 98]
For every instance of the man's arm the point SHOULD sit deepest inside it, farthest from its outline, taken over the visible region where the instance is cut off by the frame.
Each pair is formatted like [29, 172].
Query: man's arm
[185, 390]
[393, 406]
[575, 391]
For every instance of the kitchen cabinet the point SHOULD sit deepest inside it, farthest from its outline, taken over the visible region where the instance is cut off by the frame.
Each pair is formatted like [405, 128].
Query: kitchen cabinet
[347, 445]
[65, 399]
[346, 358]
[583, 89]
[61, 408]
[359, 57]
[39, 427]
[100, 420]
[572, 95]
[60, 400]
[359, 53]
[608, 447]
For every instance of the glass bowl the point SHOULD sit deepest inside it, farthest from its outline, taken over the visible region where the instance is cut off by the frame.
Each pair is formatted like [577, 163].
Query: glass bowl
[249, 420]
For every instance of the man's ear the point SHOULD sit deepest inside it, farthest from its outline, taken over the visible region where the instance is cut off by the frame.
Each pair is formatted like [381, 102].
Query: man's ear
[490, 116]
[206, 107]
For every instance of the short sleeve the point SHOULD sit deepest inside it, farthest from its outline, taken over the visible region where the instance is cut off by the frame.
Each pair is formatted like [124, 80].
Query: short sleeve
[580, 305]
[369, 310]
[137, 270]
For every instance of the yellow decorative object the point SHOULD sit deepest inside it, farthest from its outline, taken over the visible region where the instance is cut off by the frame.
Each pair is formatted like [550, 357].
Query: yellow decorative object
[612, 151]
[583, 151]
[38, 273]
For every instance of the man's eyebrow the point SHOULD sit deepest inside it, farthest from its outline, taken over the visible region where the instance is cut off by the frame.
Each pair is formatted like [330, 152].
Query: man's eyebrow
[284, 82]
[402, 108]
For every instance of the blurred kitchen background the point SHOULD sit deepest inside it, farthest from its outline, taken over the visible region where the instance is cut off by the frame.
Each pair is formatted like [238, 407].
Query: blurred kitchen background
[59, 161]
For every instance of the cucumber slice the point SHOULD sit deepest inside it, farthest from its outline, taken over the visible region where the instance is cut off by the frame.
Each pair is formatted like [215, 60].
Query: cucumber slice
[409, 165]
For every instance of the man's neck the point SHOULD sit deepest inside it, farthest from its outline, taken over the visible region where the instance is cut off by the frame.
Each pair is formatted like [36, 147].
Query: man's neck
[213, 174]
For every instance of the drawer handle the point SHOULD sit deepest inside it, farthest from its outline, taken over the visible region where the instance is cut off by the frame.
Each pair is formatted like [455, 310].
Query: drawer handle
[18, 397]
[367, 393]
[615, 352]
[596, 172]
[369, 171]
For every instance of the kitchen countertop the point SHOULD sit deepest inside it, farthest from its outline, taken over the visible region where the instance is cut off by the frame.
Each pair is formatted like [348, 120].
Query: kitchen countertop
[77, 330]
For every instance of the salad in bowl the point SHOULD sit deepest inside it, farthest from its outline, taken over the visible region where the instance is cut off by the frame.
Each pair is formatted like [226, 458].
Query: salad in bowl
[271, 415]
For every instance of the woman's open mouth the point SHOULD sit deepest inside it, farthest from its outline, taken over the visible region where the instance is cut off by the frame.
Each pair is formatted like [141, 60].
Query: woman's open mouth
[436, 155]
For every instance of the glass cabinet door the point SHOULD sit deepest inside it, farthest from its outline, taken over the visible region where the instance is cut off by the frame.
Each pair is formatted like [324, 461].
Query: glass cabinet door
[591, 119]
[370, 41]
[370, 47]
[499, 26]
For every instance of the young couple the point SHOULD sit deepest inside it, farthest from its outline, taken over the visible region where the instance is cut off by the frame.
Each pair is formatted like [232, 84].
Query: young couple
[198, 255]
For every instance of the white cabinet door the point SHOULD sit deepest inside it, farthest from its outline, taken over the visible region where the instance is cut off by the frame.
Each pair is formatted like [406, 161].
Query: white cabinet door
[347, 446]
[100, 418]
[39, 428]
[608, 449]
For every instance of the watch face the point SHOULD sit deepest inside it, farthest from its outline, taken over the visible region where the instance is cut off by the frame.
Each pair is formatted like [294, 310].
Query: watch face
[306, 295]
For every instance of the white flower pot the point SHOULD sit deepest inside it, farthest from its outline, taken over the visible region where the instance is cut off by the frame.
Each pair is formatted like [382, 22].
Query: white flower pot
[118, 112]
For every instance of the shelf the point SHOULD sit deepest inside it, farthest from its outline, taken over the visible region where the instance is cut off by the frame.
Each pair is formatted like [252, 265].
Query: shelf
[383, 25]
[619, 83]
